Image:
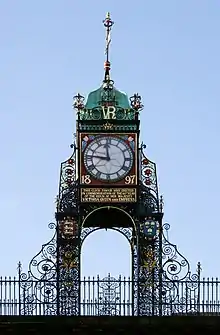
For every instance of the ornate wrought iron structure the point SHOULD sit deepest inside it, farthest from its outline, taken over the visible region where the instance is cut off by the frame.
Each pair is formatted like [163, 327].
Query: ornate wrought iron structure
[161, 282]
[42, 291]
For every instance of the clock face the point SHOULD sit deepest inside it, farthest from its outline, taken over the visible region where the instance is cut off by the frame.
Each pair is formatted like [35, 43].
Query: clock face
[108, 158]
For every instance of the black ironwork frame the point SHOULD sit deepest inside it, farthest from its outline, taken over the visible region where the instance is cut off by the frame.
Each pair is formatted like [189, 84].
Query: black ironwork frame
[161, 281]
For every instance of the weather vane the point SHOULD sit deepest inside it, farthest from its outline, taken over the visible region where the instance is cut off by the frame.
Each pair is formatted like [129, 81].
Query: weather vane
[108, 23]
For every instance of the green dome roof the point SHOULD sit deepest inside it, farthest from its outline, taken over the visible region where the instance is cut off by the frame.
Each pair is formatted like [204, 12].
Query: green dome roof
[96, 97]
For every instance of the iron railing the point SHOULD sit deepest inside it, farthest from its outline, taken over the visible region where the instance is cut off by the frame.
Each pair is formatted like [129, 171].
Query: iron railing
[108, 296]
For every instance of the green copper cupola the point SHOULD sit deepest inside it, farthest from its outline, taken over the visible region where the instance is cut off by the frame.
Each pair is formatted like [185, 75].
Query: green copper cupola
[107, 102]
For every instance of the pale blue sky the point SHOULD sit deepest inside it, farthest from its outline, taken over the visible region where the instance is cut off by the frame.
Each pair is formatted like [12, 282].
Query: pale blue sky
[169, 52]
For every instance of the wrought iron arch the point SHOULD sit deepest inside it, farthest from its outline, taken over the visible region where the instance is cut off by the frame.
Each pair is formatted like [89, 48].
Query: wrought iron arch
[126, 232]
[114, 208]
[130, 233]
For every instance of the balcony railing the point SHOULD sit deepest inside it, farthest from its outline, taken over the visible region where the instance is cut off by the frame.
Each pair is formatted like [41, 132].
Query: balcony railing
[108, 296]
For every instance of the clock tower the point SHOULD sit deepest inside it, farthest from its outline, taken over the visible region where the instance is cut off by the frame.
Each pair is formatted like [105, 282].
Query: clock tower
[109, 183]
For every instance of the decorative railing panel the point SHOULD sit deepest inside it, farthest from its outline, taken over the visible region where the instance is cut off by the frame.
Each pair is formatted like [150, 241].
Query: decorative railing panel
[108, 296]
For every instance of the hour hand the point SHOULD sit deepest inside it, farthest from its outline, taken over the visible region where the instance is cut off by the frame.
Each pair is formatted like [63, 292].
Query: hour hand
[99, 157]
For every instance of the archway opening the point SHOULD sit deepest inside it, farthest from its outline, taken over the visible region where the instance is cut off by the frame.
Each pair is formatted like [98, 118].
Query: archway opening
[104, 249]
[104, 252]
[106, 264]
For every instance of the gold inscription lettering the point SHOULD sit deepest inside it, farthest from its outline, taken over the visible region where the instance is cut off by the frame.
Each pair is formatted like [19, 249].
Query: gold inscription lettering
[111, 195]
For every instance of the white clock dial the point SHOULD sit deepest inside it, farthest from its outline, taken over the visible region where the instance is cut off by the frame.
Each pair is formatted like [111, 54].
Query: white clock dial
[108, 158]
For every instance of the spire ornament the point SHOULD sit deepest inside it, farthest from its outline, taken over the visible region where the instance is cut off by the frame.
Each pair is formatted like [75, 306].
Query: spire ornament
[108, 23]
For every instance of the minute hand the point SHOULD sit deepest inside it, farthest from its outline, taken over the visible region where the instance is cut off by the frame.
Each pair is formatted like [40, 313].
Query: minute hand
[107, 151]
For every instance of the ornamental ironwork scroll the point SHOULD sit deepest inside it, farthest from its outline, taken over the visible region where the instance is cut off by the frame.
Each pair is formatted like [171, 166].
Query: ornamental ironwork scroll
[67, 198]
[42, 292]
[148, 172]
[175, 265]
[180, 290]
[38, 287]
[149, 188]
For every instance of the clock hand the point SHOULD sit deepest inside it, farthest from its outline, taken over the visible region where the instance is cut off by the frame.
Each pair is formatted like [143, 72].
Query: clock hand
[107, 150]
[100, 157]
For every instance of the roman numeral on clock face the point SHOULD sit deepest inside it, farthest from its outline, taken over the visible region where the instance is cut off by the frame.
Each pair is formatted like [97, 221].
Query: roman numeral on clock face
[92, 167]
[97, 174]
[98, 142]
[125, 168]
[89, 158]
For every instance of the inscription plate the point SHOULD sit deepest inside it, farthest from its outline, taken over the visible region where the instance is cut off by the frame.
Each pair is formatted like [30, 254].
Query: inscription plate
[112, 195]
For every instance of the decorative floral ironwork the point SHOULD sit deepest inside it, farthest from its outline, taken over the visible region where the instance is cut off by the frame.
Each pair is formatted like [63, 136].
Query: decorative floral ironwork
[148, 173]
[149, 201]
[78, 102]
[67, 173]
[109, 296]
[136, 102]
[149, 263]
[69, 287]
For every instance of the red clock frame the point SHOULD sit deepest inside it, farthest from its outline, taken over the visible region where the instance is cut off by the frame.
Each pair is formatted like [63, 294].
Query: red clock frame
[87, 179]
